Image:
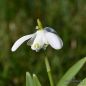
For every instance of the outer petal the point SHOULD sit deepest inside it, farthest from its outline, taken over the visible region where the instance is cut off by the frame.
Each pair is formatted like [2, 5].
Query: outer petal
[54, 40]
[20, 41]
[30, 41]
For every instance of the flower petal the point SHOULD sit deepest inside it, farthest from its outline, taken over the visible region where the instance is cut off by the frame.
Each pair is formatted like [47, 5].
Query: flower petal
[54, 40]
[38, 41]
[30, 41]
[20, 41]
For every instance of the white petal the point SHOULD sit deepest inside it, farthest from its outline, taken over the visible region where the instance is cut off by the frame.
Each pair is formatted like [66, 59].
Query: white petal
[54, 40]
[30, 41]
[38, 42]
[20, 41]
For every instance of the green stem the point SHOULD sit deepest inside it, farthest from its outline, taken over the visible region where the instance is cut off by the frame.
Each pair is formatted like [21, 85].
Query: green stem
[49, 72]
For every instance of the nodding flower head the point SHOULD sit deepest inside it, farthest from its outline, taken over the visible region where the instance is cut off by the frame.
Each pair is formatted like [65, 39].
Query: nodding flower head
[40, 39]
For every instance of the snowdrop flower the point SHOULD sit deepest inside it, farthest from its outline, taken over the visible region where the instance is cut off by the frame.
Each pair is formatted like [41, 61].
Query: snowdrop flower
[40, 39]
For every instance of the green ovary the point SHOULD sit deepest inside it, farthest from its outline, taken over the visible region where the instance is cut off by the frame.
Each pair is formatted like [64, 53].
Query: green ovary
[37, 45]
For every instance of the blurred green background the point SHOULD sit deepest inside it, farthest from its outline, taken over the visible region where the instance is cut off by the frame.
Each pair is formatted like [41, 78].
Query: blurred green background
[18, 18]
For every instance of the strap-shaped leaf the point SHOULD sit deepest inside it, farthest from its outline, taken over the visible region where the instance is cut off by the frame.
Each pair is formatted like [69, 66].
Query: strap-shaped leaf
[36, 81]
[29, 80]
[65, 80]
[82, 83]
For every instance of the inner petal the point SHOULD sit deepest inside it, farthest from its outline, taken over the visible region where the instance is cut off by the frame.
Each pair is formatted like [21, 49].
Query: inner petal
[38, 42]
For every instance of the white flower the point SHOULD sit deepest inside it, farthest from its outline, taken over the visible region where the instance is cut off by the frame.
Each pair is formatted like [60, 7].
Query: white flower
[40, 39]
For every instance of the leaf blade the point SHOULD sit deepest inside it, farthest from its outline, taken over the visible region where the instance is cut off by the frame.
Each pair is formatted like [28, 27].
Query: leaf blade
[29, 80]
[65, 80]
[82, 83]
[36, 80]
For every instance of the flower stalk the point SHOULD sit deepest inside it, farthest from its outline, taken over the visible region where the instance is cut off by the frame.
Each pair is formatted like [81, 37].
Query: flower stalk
[49, 72]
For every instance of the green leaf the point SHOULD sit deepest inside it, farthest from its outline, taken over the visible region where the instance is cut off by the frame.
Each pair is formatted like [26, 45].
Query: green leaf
[82, 83]
[65, 80]
[29, 80]
[36, 81]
